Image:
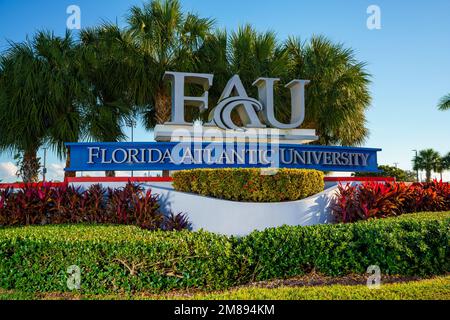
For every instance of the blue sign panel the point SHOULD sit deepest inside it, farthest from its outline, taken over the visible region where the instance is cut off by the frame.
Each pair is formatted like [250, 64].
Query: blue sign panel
[147, 156]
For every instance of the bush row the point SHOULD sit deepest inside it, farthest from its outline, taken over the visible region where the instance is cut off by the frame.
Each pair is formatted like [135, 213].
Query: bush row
[377, 200]
[47, 204]
[253, 185]
[129, 259]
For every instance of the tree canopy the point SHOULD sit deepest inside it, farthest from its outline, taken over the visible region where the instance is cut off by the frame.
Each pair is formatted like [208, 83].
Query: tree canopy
[41, 97]
[57, 89]
[428, 160]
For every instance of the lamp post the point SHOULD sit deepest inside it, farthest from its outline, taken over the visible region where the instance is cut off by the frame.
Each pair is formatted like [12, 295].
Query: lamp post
[131, 123]
[44, 168]
[417, 171]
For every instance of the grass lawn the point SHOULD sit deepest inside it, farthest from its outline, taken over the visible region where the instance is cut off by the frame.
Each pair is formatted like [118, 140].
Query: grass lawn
[430, 289]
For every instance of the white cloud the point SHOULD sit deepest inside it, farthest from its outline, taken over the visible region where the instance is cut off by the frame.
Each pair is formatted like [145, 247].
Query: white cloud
[55, 171]
[90, 173]
[128, 173]
[8, 172]
[119, 173]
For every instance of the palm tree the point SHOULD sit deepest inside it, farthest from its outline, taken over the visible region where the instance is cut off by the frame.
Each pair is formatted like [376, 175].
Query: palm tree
[246, 52]
[440, 167]
[428, 160]
[445, 163]
[166, 40]
[42, 99]
[22, 115]
[338, 95]
[107, 57]
[67, 90]
[444, 104]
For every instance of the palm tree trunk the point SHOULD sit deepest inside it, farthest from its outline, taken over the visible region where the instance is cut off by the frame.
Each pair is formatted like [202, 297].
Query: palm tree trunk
[69, 174]
[29, 169]
[166, 173]
[162, 113]
[428, 175]
[110, 173]
[162, 106]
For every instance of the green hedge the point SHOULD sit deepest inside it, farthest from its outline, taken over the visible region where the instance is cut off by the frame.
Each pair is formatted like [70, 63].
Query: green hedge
[411, 245]
[250, 184]
[114, 258]
[128, 259]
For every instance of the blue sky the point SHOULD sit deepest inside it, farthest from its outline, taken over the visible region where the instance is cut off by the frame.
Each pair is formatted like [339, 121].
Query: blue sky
[409, 57]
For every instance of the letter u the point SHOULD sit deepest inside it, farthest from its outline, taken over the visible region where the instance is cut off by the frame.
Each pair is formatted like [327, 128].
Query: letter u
[265, 92]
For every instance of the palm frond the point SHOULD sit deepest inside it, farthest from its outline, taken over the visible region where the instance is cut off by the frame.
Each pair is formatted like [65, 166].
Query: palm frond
[444, 104]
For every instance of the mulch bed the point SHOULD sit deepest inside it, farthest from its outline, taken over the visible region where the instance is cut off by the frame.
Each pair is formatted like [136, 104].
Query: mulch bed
[315, 279]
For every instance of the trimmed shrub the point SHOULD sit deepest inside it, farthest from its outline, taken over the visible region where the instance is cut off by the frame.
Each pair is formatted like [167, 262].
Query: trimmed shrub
[253, 185]
[410, 245]
[390, 171]
[377, 200]
[115, 259]
[46, 204]
[129, 259]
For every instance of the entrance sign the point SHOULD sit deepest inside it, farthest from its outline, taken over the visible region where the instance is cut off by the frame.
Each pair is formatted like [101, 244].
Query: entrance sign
[182, 156]
[258, 140]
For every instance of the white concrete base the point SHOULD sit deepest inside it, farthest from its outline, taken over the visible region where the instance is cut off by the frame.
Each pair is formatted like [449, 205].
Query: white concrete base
[240, 218]
[177, 133]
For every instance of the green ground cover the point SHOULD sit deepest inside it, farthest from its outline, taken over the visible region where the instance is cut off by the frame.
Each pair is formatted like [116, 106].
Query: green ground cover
[127, 260]
[430, 289]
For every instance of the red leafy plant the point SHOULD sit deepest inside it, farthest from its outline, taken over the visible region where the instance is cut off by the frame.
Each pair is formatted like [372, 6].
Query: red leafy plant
[134, 205]
[47, 204]
[176, 222]
[380, 200]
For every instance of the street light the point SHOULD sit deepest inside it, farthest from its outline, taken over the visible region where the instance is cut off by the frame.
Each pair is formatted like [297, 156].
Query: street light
[44, 168]
[417, 172]
[131, 123]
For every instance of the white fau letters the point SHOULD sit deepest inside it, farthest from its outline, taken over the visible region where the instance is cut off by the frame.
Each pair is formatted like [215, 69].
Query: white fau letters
[253, 113]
